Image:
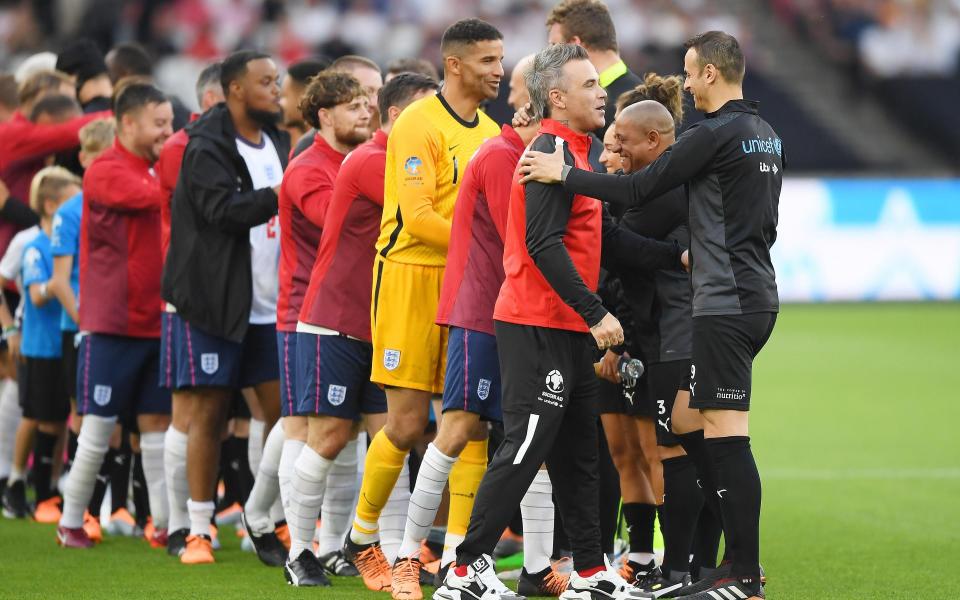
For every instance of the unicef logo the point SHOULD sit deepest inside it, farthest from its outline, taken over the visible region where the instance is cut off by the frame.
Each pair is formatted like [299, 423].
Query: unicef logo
[555, 381]
[412, 165]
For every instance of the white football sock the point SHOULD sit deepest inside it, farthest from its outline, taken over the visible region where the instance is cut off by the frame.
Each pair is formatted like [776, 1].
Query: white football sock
[151, 456]
[450, 543]
[266, 488]
[305, 498]
[394, 514]
[175, 476]
[200, 515]
[425, 500]
[255, 444]
[288, 457]
[91, 448]
[339, 499]
[10, 413]
[642, 558]
[537, 511]
[277, 512]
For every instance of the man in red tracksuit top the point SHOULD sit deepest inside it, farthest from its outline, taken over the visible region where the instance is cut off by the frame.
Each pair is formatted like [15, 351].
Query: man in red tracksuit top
[549, 322]
[304, 199]
[118, 362]
[335, 105]
[24, 144]
[471, 390]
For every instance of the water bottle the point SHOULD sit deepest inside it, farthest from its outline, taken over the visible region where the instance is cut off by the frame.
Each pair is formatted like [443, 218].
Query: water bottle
[631, 370]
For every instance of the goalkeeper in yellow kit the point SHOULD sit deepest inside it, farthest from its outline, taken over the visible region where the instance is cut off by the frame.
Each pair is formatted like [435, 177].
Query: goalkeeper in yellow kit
[427, 154]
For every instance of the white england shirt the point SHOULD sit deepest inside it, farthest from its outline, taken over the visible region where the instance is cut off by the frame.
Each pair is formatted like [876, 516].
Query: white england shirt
[266, 170]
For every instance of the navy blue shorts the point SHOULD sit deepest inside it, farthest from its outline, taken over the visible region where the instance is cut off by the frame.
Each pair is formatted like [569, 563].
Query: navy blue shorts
[117, 376]
[333, 373]
[204, 360]
[170, 326]
[287, 354]
[472, 382]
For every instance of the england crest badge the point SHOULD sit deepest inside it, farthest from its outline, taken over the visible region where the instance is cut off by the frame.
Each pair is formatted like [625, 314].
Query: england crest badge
[336, 394]
[101, 394]
[483, 389]
[210, 362]
[391, 359]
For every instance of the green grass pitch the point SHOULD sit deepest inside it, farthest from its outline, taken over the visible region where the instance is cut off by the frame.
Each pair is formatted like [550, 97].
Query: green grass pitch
[854, 426]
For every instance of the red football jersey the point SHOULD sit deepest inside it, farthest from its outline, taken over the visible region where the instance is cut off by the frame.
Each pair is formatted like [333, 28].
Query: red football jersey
[474, 272]
[338, 297]
[168, 170]
[304, 201]
[120, 262]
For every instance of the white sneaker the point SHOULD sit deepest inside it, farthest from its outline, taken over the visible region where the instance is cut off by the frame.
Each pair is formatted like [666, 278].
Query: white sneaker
[603, 585]
[480, 583]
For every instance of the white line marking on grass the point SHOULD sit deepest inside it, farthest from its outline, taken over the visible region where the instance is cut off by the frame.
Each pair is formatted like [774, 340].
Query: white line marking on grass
[793, 474]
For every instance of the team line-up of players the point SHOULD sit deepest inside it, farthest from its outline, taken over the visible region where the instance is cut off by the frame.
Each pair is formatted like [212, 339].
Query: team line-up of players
[403, 250]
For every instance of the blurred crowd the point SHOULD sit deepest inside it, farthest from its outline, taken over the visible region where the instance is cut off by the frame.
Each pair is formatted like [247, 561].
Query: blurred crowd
[879, 39]
[184, 34]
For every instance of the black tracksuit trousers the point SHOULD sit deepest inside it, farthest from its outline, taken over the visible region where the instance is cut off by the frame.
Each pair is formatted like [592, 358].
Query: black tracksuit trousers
[549, 396]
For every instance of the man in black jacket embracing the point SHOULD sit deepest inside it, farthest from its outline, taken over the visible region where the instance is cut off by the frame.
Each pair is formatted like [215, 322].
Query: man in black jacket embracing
[229, 179]
[732, 166]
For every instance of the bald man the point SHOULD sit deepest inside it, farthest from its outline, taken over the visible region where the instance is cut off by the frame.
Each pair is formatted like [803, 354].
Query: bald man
[644, 131]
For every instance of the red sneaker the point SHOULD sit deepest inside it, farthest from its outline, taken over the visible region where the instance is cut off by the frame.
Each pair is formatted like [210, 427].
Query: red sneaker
[73, 538]
[159, 538]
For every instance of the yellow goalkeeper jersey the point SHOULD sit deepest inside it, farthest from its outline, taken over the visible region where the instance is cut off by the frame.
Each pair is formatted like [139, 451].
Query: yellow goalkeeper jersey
[427, 154]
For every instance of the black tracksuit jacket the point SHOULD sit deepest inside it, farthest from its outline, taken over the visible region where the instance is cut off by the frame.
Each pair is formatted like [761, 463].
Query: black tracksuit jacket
[207, 275]
[732, 165]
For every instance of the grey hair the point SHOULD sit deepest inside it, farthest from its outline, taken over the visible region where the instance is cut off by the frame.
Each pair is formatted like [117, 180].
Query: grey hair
[209, 77]
[546, 73]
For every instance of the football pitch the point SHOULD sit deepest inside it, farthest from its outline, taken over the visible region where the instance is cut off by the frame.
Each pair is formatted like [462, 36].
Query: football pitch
[855, 431]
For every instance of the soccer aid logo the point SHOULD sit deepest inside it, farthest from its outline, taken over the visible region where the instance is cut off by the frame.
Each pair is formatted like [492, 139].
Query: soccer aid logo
[412, 165]
[555, 381]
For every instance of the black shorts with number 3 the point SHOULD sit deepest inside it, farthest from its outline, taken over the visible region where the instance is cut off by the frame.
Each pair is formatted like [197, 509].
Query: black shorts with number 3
[664, 380]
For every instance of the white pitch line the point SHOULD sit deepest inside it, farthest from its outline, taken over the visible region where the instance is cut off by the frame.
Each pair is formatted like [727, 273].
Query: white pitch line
[800, 474]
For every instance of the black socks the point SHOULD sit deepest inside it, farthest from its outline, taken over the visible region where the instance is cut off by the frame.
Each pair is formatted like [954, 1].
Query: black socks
[640, 520]
[72, 440]
[706, 542]
[100, 487]
[682, 504]
[43, 447]
[141, 499]
[120, 475]
[738, 484]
